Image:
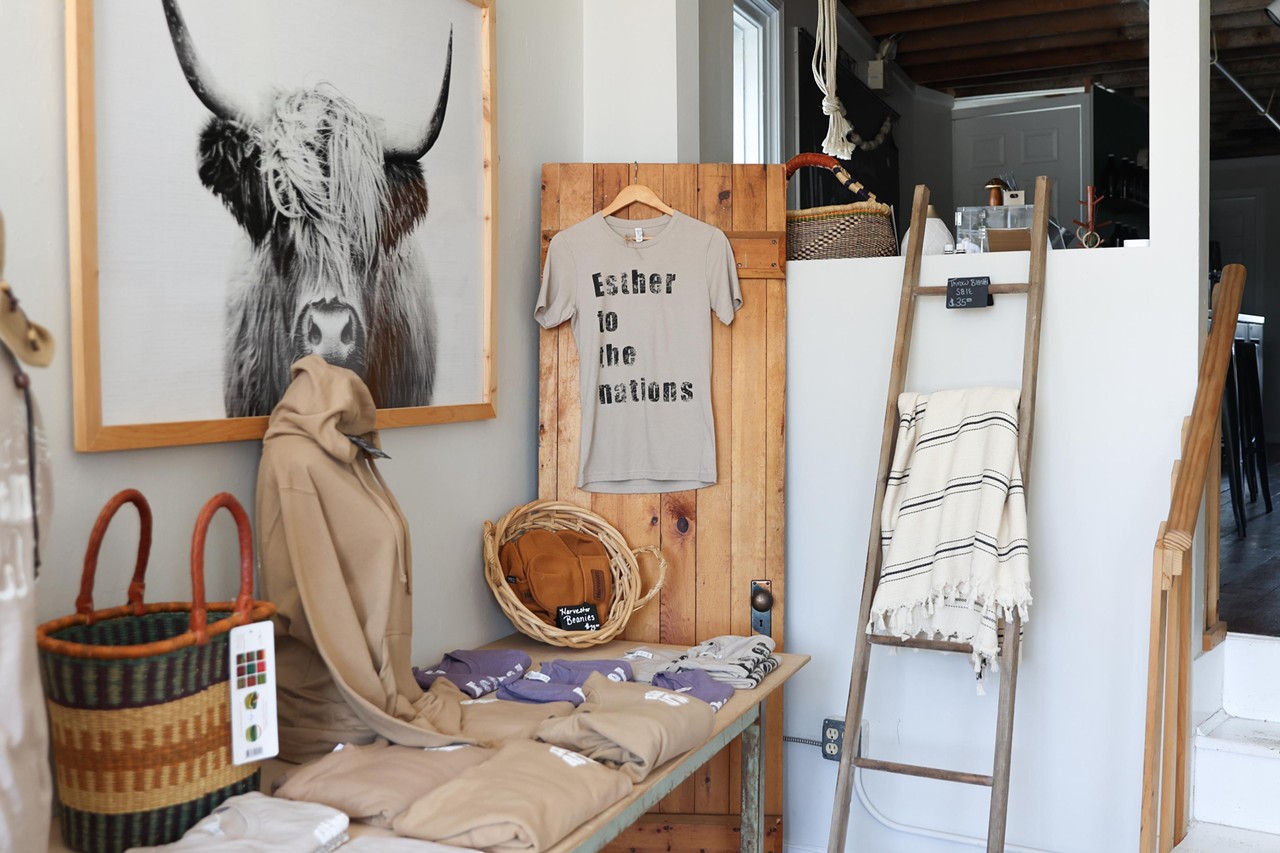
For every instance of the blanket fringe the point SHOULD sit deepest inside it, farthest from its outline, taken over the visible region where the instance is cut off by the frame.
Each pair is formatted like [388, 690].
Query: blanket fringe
[913, 620]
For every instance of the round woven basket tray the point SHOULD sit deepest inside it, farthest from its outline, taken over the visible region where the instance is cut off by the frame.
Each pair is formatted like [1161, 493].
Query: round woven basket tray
[558, 515]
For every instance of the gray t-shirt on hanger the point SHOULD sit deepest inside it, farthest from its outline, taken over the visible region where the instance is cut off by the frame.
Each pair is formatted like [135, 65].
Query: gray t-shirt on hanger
[639, 312]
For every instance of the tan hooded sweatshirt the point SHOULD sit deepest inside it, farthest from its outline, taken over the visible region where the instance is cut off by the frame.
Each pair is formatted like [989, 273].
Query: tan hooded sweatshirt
[334, 549]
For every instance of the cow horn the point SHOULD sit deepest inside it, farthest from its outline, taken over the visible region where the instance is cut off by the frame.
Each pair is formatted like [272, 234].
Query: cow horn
[198, 78]
[432, 130]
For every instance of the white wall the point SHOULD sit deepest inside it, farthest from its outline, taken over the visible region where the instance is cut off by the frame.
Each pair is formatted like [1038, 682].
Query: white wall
[1107, 429]
[449, 478]
[632, 89]
[715, 63]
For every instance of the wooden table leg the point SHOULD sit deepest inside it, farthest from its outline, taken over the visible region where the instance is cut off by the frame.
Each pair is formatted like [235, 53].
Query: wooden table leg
[751, 834]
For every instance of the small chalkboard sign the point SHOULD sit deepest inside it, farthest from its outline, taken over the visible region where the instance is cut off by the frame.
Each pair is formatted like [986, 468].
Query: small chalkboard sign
[579, 617]
[969, 292]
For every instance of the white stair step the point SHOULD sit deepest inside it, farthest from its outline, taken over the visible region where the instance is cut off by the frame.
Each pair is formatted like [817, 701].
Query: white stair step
[1212, 838]
[1251, 677]
[1237, 773]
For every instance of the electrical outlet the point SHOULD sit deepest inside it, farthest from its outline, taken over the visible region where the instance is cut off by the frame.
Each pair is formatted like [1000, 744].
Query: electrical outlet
[832, 738]
[875, 74]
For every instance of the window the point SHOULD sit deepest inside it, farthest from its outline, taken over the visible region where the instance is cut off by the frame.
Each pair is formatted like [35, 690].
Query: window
[757, 125]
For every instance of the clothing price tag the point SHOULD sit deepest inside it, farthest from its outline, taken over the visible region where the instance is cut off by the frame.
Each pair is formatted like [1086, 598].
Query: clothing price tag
[969, 292]
[254, 729]
[579, 617]
[639, 235]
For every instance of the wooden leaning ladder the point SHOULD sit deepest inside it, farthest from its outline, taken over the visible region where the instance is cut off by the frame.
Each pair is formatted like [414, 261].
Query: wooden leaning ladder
[998, 781]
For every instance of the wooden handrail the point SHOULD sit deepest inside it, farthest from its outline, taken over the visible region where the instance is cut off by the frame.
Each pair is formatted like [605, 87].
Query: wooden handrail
[1188, 489]
[1164, 767]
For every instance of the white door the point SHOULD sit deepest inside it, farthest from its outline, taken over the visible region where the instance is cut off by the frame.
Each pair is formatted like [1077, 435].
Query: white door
[1046, 136]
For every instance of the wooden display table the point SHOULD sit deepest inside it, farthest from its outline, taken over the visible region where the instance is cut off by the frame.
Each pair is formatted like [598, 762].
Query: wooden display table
[741, 715]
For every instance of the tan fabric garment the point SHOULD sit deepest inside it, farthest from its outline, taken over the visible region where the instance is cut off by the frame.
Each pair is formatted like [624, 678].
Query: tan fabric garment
[375, 782]
[527, 797]
[334, 549]
[634, 727]
[488, 720]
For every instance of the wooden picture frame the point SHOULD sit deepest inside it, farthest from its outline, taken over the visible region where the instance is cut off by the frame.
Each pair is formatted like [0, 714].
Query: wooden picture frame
[100, 344]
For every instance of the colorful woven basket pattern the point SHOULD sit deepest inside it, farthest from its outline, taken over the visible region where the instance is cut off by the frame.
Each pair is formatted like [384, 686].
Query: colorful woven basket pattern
[139, 698]
[78, 682]
[141, 745]
[110, 833]
[863, 229]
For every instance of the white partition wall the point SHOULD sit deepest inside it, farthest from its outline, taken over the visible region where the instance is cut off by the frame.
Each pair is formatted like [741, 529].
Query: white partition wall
[1113, 391]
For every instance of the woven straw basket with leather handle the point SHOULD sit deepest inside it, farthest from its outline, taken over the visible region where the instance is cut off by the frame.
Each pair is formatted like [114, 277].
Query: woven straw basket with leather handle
[628, 594]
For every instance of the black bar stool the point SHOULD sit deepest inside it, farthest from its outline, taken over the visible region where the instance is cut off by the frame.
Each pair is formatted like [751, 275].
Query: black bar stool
[1231, 446]
[1253, 435]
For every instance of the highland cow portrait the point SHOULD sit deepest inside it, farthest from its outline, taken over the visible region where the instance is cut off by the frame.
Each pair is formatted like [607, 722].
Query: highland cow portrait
[281, 178]
[327, 205]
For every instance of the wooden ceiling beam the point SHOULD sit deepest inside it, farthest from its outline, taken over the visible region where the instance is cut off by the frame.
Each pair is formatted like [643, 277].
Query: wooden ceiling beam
[1242, 114]
[1261, 85]
[1114, 78]
[1049, 60]
[1268, 36]
[974, 13]
[1231, 7]
[1220, 90]
[1242, 65]
[1012, 29]
[1240, 20]
[867, 8]
[1032, 44]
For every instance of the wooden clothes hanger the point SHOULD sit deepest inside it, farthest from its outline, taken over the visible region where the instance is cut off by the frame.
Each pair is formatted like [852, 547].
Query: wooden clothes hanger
[636, 193]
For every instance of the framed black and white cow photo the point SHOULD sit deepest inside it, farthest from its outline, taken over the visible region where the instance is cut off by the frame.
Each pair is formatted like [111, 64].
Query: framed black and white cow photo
[255, 181]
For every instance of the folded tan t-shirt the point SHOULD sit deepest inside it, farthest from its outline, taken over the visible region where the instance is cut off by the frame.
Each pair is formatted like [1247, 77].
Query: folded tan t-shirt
[634, 727]
[375, 782]
[488, 721]
[527, 797]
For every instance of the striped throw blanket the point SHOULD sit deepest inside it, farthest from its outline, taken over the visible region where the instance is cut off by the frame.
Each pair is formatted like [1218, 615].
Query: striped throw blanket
[954, 525]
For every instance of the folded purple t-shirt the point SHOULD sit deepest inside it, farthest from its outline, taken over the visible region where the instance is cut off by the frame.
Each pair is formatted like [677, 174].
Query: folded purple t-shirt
[532, 689]
[696, 683]
[563, 671]
[476, 671]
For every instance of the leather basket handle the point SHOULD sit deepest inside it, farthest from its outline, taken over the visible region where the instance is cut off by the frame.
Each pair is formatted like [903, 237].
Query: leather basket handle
[84, 601]
[831, 164]
[244, 600]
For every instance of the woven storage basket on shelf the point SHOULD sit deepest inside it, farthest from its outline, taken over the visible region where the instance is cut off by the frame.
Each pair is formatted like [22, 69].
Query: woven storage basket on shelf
[559, 515]
[861, 229]
[139, 699]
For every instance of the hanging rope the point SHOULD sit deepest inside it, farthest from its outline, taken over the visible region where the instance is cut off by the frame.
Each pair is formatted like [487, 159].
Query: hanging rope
[837, 143]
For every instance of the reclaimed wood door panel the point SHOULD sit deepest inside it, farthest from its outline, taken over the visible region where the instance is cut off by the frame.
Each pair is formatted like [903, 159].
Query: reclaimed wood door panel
[719, 539]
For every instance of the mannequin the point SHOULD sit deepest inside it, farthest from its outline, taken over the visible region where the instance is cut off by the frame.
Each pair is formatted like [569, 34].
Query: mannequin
[25, 785]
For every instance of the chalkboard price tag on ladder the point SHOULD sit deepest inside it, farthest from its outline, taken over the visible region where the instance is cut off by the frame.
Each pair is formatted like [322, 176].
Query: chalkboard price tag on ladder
[971, 292]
